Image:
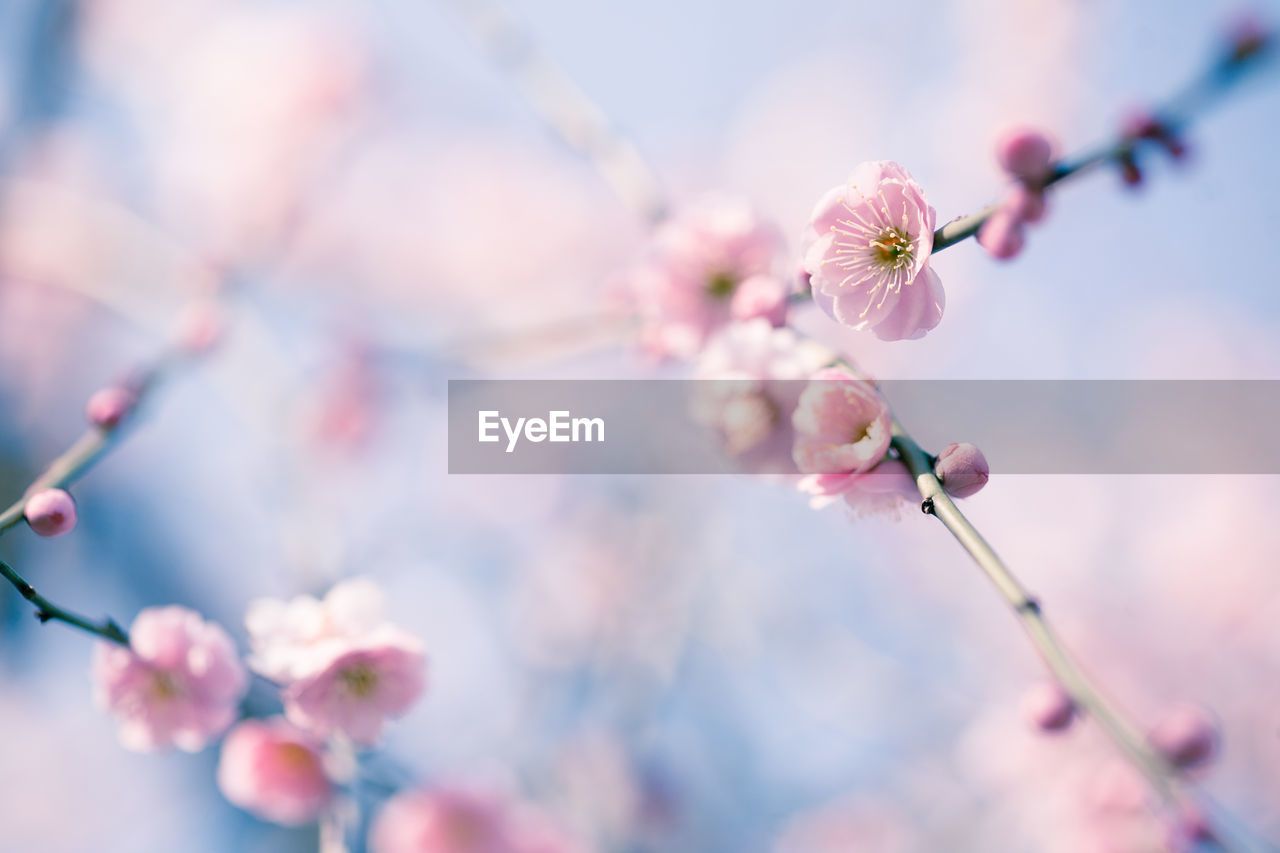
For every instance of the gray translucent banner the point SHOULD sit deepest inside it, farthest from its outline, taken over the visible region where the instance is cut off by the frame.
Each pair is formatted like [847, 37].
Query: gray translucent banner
[732, 426]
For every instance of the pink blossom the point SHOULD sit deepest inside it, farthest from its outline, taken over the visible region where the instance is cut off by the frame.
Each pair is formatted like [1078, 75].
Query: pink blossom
[373, 679]
[1024, 203]
[51, 512]
[883, 490]
[962, 469]
[1047, 707]
[200, 327]
[106, 408]
[868, 254]
[757, 374]
[457, 821]
[842, 425]
[712, 263]
[178, 683]
[290, 639]
[1186, 736]
[275, 771]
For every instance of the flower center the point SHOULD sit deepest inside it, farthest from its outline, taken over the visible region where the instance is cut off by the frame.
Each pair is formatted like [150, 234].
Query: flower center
[164, 686]
[360, 680]
[721, 285]
[892, 249]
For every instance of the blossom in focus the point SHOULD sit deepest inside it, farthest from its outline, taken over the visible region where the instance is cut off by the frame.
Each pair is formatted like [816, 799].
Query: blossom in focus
[178, 683]
[867, 255]
[755, 374]
[714, 263]
[962, 469]
[51, 512]
[457, 821]
[275, 771]
[376, 678]
[842, 425]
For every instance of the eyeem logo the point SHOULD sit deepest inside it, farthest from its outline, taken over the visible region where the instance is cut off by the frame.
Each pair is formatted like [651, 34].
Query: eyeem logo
[558, 427]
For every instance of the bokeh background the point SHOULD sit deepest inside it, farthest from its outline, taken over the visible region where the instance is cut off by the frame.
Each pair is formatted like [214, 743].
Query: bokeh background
[683, 664]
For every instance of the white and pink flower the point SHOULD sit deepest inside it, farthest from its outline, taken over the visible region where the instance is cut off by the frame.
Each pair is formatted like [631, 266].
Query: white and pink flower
[178, 683]
[460, 821]
[867, 255]
[275, 771]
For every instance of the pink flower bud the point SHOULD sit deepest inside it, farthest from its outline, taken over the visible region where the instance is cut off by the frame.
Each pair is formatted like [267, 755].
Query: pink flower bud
[272, 769]
[1191, 828]
[106, 408]
[962, 469]
[760, 296]
[1048, 708]
[51, 512]
[1025, 153]
[1024, 203]
[1186, 736]
[1141, 123]
[1001, 235]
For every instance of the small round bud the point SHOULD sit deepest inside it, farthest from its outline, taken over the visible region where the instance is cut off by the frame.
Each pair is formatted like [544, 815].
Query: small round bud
[1191, 828]
[1048, 708]
[106, 408]
[51, 512]
[1025, 153]
[962, 469]
[1001, 235]
[1186, 737]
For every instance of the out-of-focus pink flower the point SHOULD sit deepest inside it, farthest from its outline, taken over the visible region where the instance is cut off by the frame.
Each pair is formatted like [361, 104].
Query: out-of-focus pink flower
[290, 639]
[883, 490]
[1001, 235]
[177, 684]
[275, 771]
[1025, 153]
[867, 254]
[51, 512]
[1186, 736]
[712, 263]
[1047, 707]
[376, 678]
[107, 407]
[757, 374]
[962, 469]
[842, 425]
[1024, 203]
[457, 821]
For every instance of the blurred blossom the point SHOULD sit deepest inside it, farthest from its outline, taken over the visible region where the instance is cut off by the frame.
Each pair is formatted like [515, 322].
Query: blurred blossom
[716, 260]
[272, 769]
[179, 683]
[756, 375]
[458, 821]
[344, 668]
[849, 825]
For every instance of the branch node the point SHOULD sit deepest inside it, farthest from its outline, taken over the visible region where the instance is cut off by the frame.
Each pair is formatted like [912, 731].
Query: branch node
[1029, 605]
[926, 506]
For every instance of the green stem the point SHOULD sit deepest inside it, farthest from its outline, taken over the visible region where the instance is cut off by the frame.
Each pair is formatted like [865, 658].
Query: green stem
[47, 611]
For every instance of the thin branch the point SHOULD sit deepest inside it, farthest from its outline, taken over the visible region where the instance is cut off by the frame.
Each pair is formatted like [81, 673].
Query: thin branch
[47, 611]
[1175, 114]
